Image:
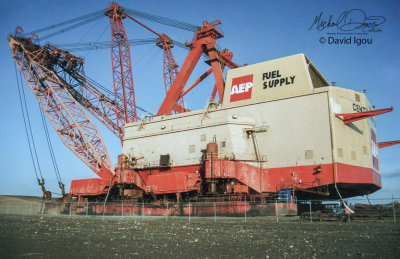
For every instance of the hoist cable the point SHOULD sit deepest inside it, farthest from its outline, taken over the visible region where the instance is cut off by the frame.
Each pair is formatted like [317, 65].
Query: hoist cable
[98, 38]
[104, 90]
[180, 44]
[49, 144]
[23, 109]
[89, 30]
[162, 20]
[143, 15]
[110, 93]
[30, 127]
[100, 44]
[184, 46]
[72, 27]
[67, 22]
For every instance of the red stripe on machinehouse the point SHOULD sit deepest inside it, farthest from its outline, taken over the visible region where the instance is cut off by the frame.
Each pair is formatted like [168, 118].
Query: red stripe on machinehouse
[304, 177]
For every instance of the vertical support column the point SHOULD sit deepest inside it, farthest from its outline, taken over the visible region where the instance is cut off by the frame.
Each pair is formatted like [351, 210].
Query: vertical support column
[215, 212]
[310, 212]
[104, 209]
[122, 209]
[183, 75]
[245, 209]
[142, 209]
[166, 213]
[217, 69]
[122, 68]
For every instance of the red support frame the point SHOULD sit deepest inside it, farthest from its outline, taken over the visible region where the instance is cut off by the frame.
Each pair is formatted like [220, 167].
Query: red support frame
[170, 69]
[388, 143]
[204, 41]
[350, 117]
[198, 81]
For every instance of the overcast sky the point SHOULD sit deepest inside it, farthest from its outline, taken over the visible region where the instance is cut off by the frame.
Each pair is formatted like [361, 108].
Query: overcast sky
[255, 31]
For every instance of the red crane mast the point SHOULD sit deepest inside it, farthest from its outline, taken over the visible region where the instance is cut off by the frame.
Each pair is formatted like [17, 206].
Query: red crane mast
[119, 39]
[122, 68]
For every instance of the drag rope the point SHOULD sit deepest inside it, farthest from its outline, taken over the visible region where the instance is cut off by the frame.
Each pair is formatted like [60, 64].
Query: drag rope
[343, 201]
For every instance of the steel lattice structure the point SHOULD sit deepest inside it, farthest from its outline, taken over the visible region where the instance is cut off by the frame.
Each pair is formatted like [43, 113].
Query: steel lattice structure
[70, 69]
[71, 123]
[170, 69]
[122, 68]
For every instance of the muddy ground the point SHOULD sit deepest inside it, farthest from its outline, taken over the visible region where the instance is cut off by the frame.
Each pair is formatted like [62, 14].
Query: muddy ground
[77, 237]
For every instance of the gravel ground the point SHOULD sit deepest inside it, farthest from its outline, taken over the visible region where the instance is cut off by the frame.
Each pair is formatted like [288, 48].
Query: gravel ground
[77, 237]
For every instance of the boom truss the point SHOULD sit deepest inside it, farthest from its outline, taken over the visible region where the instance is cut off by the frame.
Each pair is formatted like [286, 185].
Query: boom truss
[71, 123]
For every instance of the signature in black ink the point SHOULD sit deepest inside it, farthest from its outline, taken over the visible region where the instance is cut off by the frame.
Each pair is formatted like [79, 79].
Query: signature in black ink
[355, 19]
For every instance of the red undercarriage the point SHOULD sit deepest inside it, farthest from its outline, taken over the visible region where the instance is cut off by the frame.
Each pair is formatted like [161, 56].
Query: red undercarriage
[234, 177]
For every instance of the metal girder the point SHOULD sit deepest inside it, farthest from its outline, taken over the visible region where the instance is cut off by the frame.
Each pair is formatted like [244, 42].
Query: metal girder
[350, 117]
[71, 123]
[122, 68]
[388, 143]
[204, 41]
[197, 81]
[170, 70]
[226, 58]
[70, 69]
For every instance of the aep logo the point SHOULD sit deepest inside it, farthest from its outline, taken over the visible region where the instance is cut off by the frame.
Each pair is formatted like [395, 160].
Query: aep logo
[241, 88]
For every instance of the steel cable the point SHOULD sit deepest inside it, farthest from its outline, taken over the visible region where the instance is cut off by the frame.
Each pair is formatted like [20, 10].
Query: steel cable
[66, 22]
[49, 144]
[72, 27]
[100, 44]
[109, 92]
[146, 16]
[25, 115]
[162, 20]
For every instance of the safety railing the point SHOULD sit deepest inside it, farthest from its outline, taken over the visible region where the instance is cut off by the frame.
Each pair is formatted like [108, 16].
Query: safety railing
[306, 210]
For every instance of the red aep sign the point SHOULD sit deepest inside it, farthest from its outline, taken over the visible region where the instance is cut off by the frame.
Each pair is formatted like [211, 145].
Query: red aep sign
[241, 88]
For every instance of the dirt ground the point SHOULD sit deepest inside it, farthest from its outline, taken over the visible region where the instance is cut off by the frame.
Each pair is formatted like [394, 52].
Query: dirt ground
[77, 237]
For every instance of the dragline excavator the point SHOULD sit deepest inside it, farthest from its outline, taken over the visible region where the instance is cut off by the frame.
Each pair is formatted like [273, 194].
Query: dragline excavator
[268, 128]
[57, 79]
